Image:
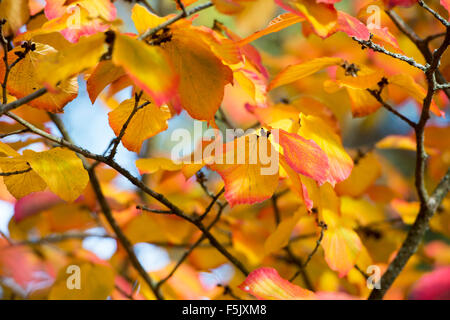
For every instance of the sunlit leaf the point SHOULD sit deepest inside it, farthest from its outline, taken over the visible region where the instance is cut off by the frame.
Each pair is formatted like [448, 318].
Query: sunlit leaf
[147, 121]
[61, 169]
[266, 284]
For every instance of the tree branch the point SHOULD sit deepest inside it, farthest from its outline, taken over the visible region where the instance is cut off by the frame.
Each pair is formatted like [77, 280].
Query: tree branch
[377, 95]
[398, 56]
[428, 205]
[120, 235]
[179, 16]
[434, 13]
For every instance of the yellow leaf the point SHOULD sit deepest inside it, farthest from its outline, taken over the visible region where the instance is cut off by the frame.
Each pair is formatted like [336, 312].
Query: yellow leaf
[363, 175]
[7, 150]
[155, 164]
[342, 247]
[279, 23]
[299, 71]
[96, 282]
[203, 76]
[25, 78]
[146, 122]
[147, 66]
[144, 19]
[72, 60]
[20, 185]
[323, 17]
[137, 230]
[61, 169]
[280, 238]
[16, 13]
[247, 181]
[340, 243]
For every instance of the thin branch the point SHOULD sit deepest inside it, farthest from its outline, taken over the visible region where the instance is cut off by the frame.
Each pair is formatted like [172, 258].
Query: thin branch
[443, 86]
[180, 16]
[60, 238]
[211, 204]
[20, 102]
[137, 107]
[413, 239]
[14, 133]
[428, 205]
[157, 211]
[378, 48]
[421, 44]
[377, 96]
[433, 37]
[181, 5]
[190, 250]
[323, 228]
[434, 13]
[124, 241]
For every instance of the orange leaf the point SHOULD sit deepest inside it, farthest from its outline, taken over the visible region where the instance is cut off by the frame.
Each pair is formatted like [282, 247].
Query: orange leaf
[299, 71]
[250, 179]
[104, 74]
[146, 122]
[148, 66]
[322, 16]
[203, 76]
[340, 162]
[25, 78]
[279, 23]
[266, 284]
[305, 156]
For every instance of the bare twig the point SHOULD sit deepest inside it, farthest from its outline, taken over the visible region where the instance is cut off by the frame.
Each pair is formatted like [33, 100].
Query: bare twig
[323, 228]
[120, 235]
[179, 16]
[377, 95]
[378, 48]
[434, 13]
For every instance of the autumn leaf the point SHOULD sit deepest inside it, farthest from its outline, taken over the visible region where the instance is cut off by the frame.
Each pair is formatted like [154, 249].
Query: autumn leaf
[352, 26]
[249, 179]
[15, 12]
[155, 164]
[147, 121]
[322, 16]
[148, 66]
[87, 53]
[299, 71]
[279, 23]
[104, 74]
[305, 156]
[61, 169]
[20, 185]
[417, 92]
[280, 238]
[339, 161]
[203, 76]
[266, 284]
[26, 77]
[96, 283]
